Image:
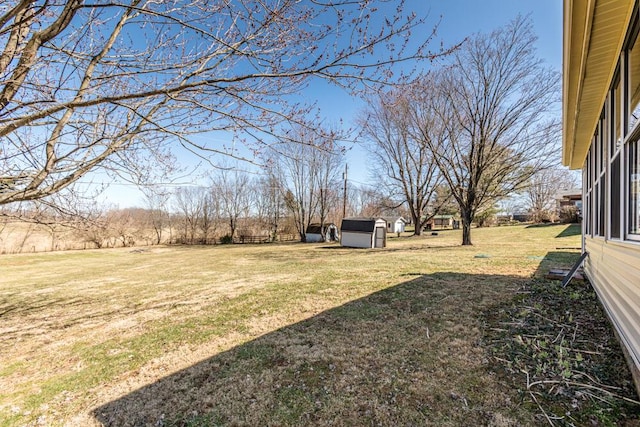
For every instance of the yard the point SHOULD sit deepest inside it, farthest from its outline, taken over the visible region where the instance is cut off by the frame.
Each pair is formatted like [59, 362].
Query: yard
[424, 332]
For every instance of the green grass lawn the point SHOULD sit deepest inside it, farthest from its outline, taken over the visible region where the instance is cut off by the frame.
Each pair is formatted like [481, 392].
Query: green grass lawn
[286, 334]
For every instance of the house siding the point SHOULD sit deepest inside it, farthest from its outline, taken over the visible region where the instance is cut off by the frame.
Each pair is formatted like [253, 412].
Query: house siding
[600, 134]
[614, 271]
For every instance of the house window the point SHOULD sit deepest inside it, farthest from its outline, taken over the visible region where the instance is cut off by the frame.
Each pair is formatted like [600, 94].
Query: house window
[588, 191]
[614, 136]
[599, 189]
[633, 184]
[616, 114]
[632, 143]
[615, 198]
[633, 69]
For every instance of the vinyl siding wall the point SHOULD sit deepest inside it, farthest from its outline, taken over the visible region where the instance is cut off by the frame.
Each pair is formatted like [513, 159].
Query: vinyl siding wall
[614, 271]
[610, 95]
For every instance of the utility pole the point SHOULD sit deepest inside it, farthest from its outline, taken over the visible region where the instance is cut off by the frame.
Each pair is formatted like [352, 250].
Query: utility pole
[344, 199]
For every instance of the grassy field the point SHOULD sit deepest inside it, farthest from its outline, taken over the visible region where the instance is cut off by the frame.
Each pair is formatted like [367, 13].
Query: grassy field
[287, 334]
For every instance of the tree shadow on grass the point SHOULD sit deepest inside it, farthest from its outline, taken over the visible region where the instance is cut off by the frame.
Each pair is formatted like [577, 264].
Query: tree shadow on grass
[571, 230]
[568, 230]
[406, 355]
[412, 354]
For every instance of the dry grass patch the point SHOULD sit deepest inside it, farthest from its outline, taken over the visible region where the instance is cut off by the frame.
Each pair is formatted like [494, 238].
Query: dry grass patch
[266, 334]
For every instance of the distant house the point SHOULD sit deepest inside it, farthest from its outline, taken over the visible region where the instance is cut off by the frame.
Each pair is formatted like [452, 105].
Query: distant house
[363, 233]
[522, 217]
[569, 198]
[440, 221]
[504, 219]
[315, 233]
[395, 224]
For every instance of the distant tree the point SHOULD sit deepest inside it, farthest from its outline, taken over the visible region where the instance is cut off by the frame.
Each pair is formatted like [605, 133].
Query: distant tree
[211, 215]
[62, 215]
[497, 126]
[486, 217]
[268, 202]
[90, 85]
[308, 166]
[95, 228]
[189, 202]
[157, 201]
[230, 186]
[369, 201]
[541, 190]
[46, 216]
[299, 193]
[444, 203]
[328, 162]
[400, 159]
[127, 224]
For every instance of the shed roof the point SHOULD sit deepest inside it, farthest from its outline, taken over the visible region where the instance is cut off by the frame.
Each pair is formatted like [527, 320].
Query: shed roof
[316, 228]
[365, 225]
[394, 218]
[443, 217]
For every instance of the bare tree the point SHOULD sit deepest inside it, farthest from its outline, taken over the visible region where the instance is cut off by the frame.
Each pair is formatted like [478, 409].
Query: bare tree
[157, 202]
[400, 159]
[95, 228]
[368, 201]
[308, 169]
[210, 215]
[298, 181]
[496, 104]
[189, 202]
[61, 215]
[231, 187]
[125, 225]
[543, 186]
[328, 162]
[88, 85]
[268, 202]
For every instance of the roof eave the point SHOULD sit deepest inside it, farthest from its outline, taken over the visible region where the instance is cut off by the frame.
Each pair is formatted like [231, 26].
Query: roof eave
[594, 32]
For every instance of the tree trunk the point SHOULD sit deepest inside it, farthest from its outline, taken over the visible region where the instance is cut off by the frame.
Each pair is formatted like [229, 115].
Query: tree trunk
[466, 229]
[232, 227]
[418, 225]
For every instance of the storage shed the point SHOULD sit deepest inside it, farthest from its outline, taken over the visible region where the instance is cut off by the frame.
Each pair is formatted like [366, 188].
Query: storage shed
[363, 232]
[316, 231]
[440, 221]
[395, 224]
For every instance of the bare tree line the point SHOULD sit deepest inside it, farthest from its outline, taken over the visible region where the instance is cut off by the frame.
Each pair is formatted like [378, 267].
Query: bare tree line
[234, 206]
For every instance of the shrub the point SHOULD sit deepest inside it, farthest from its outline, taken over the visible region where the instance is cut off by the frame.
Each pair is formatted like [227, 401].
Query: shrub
[226, 239]
[569, 214]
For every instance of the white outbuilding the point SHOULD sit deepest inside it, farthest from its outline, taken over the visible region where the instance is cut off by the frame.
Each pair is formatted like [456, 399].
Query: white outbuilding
[363, 233]
[318, 233]
[395, 224]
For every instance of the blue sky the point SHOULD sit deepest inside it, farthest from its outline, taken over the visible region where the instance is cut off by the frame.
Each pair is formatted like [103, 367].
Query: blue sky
[458, 19]
[461, 18]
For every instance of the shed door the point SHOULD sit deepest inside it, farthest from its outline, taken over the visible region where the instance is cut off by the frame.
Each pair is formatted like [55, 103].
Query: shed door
[380, 237]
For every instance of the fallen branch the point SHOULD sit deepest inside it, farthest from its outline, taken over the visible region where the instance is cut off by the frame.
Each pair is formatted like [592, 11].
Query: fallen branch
[543, 411]
[581, 385]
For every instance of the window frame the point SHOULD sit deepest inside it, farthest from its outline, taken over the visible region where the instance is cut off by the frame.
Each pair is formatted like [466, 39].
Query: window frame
[631, 136]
